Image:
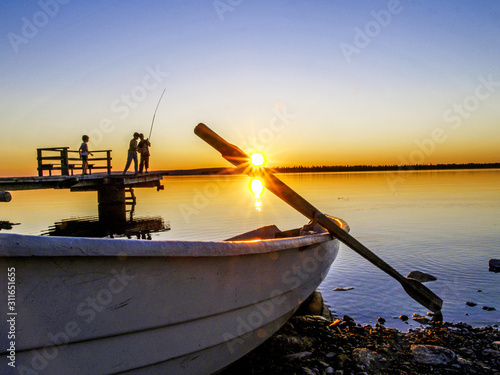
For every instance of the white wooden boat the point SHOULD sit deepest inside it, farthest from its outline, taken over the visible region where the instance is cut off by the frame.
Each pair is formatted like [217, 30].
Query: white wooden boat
[113, 306]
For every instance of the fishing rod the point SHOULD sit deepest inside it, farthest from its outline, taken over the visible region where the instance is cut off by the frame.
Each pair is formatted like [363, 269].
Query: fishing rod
[152, 122]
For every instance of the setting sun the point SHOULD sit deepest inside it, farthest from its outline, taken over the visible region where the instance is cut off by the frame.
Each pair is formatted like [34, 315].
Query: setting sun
[257, 159]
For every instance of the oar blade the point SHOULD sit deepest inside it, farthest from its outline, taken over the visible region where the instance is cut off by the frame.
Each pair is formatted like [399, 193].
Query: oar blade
[413, 288]
[423, 295]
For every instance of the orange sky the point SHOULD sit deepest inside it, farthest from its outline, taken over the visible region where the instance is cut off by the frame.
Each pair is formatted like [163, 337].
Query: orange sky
[332, 83]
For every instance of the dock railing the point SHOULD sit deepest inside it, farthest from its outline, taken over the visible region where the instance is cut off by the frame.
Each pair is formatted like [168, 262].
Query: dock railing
[57, 159]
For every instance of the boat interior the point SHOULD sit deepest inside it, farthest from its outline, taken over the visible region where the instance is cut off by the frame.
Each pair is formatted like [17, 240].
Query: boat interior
[272, 231]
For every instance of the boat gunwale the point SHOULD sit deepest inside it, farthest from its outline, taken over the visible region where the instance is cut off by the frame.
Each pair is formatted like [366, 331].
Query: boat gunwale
[18, 245]
[23, 245]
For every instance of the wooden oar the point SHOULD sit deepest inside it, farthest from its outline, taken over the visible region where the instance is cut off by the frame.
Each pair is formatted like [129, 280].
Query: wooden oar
[240, 159]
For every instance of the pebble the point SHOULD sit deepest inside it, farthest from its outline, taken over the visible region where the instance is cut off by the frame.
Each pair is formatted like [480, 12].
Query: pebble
[294, 356]
[432, 354]
[463, 362]
[491, 352]
[345, 289]
[308, 371]
[348, 321]
[364, 357]
[421, 319]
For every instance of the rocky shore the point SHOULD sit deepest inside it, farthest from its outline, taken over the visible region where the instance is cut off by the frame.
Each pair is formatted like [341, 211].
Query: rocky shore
[315, 345]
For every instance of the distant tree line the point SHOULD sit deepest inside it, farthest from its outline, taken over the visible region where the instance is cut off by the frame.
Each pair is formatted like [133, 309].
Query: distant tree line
[367, 168]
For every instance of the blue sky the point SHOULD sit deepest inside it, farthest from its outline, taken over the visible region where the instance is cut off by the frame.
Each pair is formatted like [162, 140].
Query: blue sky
[324, 82]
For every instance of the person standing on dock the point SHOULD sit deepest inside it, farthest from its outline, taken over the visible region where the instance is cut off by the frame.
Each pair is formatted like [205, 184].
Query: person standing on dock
[132, 153]
[144, 145]
[84, 153]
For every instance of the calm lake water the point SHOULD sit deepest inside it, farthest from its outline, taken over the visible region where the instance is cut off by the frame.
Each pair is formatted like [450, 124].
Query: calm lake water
[446, 223]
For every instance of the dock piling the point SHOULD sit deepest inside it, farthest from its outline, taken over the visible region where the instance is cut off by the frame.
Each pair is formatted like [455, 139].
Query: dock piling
[111, 204]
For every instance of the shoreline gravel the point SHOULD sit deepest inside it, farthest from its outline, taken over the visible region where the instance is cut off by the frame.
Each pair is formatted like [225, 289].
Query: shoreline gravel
[315, 345]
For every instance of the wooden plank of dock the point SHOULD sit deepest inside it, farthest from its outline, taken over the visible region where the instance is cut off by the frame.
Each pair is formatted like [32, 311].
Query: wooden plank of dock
[91, 182]
[97, 180]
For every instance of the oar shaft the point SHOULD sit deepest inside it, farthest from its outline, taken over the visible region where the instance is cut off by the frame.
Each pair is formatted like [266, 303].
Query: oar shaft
[241, 160]
[283, 191]
[416, 290]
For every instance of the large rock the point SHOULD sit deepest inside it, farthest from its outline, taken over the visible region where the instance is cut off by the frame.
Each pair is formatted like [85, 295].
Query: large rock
[314, 305]
[365, 359]
[494, 265]
[432, 355]
[420, 276]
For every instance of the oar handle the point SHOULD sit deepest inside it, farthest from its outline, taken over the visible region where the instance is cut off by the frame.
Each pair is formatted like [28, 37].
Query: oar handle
[240, 159]
[230, 152]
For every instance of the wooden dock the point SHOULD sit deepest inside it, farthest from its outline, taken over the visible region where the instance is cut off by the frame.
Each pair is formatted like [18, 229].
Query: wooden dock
[111, 188]
[93, 182]
[97, 181]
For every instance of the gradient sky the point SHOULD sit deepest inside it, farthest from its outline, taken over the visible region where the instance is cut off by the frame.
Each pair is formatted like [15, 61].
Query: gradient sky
[308, 82]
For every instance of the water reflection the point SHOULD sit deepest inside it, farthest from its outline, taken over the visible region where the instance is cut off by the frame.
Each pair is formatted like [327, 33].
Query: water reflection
[257, 187]
[258, 204]
[108, 226]
[7, 225]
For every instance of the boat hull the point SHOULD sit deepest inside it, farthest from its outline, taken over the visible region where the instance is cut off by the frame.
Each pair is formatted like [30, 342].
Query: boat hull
[107, 306]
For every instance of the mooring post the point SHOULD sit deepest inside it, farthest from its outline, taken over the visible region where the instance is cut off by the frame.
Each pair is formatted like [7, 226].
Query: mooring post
[39, 161]
[64, 162]
[5, 196]
[108, 159]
